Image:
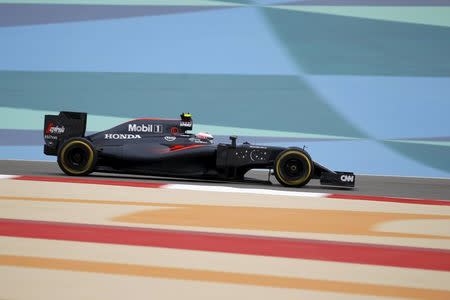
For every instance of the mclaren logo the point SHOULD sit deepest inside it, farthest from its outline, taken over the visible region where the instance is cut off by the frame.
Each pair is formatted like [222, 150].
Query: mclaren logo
[121, 136]
[150, 128]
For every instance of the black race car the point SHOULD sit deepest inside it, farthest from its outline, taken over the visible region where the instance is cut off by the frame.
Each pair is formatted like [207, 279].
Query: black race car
[163, 147]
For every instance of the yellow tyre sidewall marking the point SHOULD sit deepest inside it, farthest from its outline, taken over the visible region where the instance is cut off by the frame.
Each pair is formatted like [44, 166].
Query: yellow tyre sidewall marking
[89, 163]
[298, 181]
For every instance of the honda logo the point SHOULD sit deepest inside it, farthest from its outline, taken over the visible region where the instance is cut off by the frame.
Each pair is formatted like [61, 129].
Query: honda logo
[117, 136]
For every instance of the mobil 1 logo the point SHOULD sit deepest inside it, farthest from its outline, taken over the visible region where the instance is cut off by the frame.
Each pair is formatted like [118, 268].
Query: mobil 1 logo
[145, 128]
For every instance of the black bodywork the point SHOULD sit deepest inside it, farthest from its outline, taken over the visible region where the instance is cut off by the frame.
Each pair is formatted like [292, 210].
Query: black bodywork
[163, 147]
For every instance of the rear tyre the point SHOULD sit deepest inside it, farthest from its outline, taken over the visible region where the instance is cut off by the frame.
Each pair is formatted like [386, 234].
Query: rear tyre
[77, 157]
[293, 167]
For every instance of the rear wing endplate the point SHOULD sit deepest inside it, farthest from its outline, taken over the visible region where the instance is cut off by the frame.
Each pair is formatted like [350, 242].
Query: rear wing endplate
[58, 128]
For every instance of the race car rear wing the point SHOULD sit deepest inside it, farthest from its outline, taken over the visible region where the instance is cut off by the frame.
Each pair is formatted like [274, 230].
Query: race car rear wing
[58, 128]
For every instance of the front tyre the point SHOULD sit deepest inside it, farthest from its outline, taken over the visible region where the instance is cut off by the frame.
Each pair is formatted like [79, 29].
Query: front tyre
[77, 157]
[293, 167]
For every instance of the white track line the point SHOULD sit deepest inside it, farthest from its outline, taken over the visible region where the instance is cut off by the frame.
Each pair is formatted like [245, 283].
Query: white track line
[227, 189]
[222, 189]
[8, 176]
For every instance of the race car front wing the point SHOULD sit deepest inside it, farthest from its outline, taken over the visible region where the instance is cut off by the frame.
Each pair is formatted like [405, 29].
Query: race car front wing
[334, 178]
[342, 179]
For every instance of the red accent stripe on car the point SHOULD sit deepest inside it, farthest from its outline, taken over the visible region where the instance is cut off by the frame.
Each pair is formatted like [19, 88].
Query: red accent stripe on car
[92, 181]
[153, 119]
[176, 148]
[390, 199]
[407, 257]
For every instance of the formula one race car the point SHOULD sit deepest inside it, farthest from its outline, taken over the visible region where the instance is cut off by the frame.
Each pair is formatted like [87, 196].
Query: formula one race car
[163, 147]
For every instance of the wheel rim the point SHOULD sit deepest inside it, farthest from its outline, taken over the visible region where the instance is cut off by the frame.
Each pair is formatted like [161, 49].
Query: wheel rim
[294, 168]
[77, 157]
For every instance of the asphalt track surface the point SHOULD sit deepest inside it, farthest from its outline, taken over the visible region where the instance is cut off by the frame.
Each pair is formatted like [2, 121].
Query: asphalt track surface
[410, 187]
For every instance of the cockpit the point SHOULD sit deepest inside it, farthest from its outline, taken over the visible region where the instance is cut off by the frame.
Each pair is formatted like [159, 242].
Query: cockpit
[187, 124]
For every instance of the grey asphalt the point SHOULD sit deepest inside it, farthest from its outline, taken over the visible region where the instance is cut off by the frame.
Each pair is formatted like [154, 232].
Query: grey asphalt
[425, 188]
